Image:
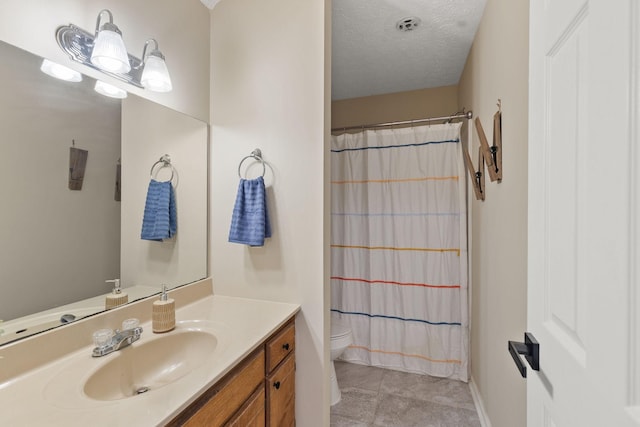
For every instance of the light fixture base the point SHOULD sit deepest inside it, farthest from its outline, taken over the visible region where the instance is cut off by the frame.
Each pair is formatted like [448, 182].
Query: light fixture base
[78, 43]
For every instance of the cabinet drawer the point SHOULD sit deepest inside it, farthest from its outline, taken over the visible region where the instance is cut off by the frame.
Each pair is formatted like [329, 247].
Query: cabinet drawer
[280, 346]
[252, 414]
[222, 400]
[281, 394]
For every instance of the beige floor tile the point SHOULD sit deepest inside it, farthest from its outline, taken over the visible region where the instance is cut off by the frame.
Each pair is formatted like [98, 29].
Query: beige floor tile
[423, 387]
[399, 411]
[364, 377]
[375, 397]
[357, 405]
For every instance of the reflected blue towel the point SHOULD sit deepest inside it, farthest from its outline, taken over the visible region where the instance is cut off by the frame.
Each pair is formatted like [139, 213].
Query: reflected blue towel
[160, 215]
[250, 221]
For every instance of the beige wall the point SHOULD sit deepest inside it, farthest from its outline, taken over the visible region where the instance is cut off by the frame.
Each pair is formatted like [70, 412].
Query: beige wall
[411, 105]
[182, 32]
[497, 67]
[268, 90]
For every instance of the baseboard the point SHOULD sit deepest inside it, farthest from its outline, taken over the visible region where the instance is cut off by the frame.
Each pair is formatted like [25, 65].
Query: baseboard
[477, 400]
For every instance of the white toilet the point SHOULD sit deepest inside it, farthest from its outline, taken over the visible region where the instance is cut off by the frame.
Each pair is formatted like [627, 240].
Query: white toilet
[341, 338]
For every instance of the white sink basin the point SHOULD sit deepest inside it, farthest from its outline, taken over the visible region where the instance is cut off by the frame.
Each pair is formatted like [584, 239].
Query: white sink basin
[157, 363]
[143, 368]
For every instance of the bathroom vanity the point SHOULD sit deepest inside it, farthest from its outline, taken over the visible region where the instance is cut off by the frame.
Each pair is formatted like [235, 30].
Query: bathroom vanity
[229, 361]
[259, 391]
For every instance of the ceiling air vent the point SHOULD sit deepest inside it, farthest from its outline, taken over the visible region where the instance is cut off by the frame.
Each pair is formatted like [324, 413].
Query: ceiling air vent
[408, 24]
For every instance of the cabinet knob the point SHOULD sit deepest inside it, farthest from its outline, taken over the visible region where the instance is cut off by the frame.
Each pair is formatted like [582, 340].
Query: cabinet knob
[285, 346]
[277, 385]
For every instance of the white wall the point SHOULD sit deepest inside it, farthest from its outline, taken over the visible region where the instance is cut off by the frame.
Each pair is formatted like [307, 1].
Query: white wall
[181, 29]
[269, 86]
[149, 131]
[58, 245]
[497, 67]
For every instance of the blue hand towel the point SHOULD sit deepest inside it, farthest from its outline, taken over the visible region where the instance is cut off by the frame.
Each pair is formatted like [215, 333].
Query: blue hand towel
[250, 220]
[160, 215]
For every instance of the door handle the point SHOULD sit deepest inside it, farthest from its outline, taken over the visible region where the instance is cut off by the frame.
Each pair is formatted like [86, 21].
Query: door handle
[530, 348]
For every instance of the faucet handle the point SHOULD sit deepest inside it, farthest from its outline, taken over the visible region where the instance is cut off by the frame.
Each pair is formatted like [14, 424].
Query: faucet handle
[130, 323]
[101, 337]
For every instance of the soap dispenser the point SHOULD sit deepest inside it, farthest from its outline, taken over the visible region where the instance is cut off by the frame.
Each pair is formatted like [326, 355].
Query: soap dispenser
[116, 297]
[164, 313]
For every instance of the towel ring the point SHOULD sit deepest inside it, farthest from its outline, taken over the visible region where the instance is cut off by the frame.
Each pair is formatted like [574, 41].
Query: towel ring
[166, 162]
[256, 155]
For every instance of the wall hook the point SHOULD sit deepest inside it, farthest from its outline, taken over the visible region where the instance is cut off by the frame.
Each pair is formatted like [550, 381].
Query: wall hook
[496, 148]
[477, 176]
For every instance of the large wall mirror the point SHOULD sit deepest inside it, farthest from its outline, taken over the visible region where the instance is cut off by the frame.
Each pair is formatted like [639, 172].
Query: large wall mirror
[58, 246]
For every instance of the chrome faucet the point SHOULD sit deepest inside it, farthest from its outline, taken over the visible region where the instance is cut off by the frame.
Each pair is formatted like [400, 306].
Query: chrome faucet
[116, 341]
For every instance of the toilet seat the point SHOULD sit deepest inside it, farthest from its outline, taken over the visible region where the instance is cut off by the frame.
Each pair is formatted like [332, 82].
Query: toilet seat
[339, 329]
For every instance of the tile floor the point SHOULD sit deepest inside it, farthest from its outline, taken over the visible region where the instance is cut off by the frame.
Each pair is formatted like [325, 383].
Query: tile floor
[375, 397]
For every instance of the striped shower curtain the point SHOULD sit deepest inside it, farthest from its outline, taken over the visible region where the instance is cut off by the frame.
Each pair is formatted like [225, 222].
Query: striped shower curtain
[398, 248]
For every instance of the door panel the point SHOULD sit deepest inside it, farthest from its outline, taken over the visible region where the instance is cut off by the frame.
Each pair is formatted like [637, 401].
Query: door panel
[564, 204]
[581, 219]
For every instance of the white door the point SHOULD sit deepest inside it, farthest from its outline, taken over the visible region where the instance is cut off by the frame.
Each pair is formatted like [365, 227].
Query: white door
[583, 269]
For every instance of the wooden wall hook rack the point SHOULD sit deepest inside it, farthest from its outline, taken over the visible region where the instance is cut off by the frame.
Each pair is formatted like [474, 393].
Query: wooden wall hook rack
[492, 154]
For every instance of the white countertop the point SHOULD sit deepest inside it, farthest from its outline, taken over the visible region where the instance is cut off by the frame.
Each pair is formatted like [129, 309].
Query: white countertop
[39, 397]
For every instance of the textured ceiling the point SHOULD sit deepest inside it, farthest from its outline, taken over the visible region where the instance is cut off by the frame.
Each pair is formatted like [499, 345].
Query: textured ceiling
[371, 57]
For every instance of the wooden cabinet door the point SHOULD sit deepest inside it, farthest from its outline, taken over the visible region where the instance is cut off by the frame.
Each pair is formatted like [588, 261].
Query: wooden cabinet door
[281, 394]
[220, 402]
[252, 414]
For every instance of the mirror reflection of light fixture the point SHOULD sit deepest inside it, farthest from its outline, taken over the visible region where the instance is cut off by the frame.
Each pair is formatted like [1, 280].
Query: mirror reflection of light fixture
[82, 46]
[109, 52]
[109, 90]
[155, 75]
[60, 71]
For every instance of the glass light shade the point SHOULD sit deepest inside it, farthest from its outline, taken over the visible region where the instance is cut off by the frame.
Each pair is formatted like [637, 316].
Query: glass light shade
[109, 90]
[155, 75]
[60, 71]
[109, 52]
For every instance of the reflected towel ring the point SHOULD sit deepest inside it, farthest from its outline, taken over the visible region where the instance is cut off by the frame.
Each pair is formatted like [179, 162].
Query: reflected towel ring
[257, 156]
[166, 162]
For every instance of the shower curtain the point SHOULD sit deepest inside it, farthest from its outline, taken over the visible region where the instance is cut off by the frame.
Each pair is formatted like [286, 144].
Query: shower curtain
[398, 248]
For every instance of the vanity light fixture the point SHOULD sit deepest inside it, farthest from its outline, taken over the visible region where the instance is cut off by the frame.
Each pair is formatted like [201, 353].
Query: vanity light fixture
[155, 75]
[60, 71]
[81, 46]
[109, 90]
[109, 52]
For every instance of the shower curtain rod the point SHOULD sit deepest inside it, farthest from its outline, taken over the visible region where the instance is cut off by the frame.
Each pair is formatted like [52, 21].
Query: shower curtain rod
[463, 115]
